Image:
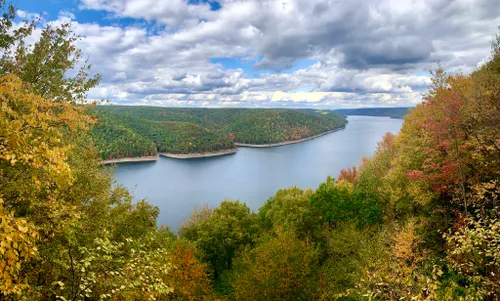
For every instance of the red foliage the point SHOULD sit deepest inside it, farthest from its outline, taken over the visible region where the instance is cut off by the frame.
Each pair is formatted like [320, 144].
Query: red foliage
[415, 175]
[446, 156]
[386, 143]
[349, 175]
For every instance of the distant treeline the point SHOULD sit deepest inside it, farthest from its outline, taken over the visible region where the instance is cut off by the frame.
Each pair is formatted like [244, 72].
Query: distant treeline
[126, 131]
[386, 112]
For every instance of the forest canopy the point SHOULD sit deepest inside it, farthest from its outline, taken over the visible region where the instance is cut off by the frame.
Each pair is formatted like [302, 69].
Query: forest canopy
[127, 131]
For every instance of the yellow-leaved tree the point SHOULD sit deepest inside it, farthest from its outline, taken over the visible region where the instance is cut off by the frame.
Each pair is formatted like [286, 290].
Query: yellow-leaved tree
[66, 232]
[33, 165]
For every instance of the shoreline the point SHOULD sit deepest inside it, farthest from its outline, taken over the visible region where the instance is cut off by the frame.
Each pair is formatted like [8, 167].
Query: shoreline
[130, 160]
[211, 154]
[200, 155]
[287, 142]
[390, 116]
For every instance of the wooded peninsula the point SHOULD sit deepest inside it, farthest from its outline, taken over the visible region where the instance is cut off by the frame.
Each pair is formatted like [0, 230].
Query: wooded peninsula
[128, 131]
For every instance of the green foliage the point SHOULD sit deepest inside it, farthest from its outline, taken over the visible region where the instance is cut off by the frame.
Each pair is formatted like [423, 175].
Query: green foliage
[9, 35]
[336, 202]
[289, 209]
[386, 112]
[254, 126]
[116, 270]
[180, 131]
[220, 234]
[280, 267]
[348, 250]
[46, 64]
[369, 207]
[332, 203]
[122, 135]
[116, 141]
[8, 15]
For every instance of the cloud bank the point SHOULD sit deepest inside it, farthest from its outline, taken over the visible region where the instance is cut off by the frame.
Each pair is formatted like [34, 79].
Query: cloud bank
[278, 53]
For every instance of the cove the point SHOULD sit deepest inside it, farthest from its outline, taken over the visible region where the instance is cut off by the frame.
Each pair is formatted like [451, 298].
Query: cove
[253, 174]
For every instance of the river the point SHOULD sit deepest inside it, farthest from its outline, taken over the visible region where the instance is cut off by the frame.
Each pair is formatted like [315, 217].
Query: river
[253, 174]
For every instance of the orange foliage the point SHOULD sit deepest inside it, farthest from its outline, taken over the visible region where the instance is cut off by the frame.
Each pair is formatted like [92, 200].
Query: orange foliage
[349, 175]
[188, 276]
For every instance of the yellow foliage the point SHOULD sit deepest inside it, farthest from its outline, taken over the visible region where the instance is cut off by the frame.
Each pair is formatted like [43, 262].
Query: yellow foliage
[35, 135]
[33, 130]
[16, 246]
[188, 277]
[406, 242]
[281, 267]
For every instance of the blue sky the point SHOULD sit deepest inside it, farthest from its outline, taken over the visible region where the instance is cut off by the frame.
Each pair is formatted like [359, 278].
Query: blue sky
[272, 53]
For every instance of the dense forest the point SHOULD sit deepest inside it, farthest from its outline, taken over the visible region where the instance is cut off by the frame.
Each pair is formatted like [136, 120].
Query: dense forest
[195, 130]
[121, 135]
[116, 141]
[419, 220]
[386, 112]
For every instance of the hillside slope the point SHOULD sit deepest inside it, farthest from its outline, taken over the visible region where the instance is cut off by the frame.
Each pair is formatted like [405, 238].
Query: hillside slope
[382, 112]
[121, 135]
[256, 126]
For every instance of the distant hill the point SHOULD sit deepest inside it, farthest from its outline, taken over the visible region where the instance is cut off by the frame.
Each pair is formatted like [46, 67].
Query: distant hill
[386, 112]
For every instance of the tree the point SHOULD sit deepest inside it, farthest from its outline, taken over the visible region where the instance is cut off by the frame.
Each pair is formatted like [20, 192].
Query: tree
[188, 276]
[349, 175]
[474, 253]
[482, 120]
[399, 270]
[280, 267]
[9, 36]
[33, 151]
[46, 64]
[332, 203]
[221, 234]
[444, 176]
[289, 209]
[66, 232]
[348, 249]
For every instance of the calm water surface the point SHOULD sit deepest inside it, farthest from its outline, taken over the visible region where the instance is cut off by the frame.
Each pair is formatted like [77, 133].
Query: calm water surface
[252, 175]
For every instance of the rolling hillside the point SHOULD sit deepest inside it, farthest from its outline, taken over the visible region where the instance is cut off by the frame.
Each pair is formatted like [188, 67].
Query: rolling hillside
[382, 112]
[132, 130]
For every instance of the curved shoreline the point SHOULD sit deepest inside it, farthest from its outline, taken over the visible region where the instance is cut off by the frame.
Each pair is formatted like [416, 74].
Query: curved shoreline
[130, 160]
[200, 155]
[211, 154]
[287, 142]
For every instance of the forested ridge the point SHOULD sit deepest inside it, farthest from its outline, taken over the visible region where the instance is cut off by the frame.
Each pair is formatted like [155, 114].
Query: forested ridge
[194, 130]
[387, 112]
[146, 137]
[117, 141]
[419, 220]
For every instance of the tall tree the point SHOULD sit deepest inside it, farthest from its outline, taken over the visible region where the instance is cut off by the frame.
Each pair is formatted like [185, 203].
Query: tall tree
[222, 233]
[280, 267]
[53, 65]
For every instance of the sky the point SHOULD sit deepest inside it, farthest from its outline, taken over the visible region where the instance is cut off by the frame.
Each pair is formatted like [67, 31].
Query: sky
[272, 53]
